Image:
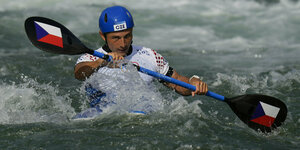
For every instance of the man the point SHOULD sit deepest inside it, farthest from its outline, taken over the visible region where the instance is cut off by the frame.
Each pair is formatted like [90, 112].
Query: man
[116, 26]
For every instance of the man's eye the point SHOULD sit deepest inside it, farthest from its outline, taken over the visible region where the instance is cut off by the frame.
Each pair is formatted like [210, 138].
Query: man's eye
[128, 36]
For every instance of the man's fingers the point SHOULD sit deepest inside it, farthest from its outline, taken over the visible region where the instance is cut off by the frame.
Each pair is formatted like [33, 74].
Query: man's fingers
[204, 88]
[116, 56]
[198, 88]
[201, 88]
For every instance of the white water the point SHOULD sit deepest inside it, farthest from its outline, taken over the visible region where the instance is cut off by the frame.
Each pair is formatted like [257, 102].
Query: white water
[127, 89]
[31, 102]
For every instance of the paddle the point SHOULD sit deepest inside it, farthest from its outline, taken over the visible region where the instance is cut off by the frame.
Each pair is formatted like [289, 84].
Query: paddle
[259, 112]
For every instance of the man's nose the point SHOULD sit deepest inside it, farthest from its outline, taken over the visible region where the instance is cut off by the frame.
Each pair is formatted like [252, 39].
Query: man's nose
[122, 42]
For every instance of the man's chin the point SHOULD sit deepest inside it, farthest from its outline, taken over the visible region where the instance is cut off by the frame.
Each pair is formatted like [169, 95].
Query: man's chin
[123, 53]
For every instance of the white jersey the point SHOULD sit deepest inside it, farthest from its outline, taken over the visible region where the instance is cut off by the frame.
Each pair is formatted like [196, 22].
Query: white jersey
[141, 56]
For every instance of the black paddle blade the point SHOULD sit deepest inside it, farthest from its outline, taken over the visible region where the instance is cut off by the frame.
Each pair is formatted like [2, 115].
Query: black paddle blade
[49, 35]
[259, 112]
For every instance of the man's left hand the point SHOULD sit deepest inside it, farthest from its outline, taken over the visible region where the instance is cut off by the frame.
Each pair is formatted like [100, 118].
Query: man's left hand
[201, 87]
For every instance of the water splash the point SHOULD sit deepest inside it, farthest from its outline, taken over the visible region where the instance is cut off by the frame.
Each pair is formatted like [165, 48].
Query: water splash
[30, 102]
[127, 89]
[239, 84]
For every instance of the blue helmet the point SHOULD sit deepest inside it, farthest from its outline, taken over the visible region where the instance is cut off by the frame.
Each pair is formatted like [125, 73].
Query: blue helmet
[115, 18]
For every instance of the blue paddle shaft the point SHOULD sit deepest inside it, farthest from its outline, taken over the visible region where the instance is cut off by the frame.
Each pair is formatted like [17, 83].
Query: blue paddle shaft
[163, 77]
[103, 56]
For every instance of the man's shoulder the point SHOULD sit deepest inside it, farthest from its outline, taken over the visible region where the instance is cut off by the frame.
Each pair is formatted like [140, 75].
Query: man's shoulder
[101, 50]
[138, 48]
[141, 50]
[88, 57]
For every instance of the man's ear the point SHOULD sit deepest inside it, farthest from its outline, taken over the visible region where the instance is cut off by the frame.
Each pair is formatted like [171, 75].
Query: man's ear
[102, 36]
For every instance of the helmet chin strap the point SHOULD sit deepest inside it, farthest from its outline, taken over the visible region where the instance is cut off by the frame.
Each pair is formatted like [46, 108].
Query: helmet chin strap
[105, 38]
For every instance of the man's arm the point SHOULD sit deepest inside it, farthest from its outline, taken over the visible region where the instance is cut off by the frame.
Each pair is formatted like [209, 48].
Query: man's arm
[84, 70]
[201, 87]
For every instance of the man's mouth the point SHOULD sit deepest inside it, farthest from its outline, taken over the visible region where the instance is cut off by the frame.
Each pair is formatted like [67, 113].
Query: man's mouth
[122, 50]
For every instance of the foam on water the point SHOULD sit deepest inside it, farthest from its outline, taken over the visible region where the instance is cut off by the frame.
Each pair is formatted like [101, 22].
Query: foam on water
[230, 26]
[126, 88]
[266, 82]
[31, 102]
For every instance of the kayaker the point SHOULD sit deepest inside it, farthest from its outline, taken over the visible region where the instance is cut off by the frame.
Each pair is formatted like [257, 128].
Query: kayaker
[116, 29]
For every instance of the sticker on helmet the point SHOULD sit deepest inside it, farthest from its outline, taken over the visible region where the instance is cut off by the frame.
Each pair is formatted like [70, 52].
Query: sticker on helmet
[119, 27]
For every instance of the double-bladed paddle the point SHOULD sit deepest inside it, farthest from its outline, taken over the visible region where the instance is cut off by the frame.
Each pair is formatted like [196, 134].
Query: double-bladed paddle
[259, 112]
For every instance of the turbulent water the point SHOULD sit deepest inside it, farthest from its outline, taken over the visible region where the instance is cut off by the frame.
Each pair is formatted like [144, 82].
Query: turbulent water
[237, 46]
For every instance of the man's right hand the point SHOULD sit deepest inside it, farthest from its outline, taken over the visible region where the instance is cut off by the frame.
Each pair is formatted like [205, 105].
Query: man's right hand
[116, 56]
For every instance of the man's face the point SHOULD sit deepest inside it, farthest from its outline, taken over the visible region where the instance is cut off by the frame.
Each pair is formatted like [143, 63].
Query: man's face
[119, 41]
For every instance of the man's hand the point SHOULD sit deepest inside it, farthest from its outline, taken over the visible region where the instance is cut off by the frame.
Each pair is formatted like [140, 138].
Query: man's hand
[116, 56]
[201, 87]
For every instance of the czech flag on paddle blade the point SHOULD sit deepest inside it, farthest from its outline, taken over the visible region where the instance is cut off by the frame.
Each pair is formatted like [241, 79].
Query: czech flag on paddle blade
[48, 34]
[265, 114]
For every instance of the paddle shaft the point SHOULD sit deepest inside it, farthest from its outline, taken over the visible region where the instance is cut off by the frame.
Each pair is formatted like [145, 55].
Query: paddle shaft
[163, 77]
